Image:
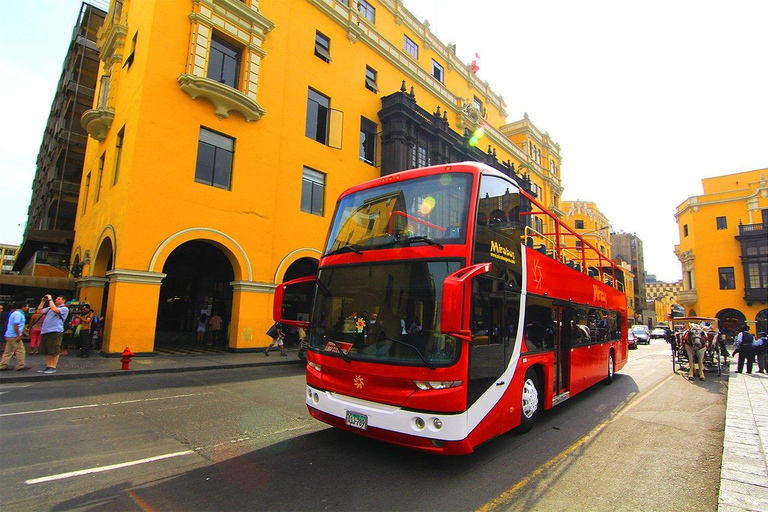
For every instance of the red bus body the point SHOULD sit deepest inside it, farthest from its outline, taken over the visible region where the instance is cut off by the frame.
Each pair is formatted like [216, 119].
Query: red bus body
[486, 330]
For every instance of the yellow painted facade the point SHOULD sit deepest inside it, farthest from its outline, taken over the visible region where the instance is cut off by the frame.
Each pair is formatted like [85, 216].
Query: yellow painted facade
[724, 250]
[140, 205]
[592, 224]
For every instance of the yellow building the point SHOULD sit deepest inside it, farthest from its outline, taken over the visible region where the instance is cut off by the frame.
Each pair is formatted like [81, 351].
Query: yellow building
[588, 221]
[724, 250]
[224, 130]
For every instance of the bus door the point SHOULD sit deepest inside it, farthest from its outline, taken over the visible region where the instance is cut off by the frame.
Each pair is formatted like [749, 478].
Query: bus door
[560, 375]
[486, 355]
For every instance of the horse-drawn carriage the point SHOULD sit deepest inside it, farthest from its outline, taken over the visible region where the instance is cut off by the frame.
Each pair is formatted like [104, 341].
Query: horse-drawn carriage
[696, 339]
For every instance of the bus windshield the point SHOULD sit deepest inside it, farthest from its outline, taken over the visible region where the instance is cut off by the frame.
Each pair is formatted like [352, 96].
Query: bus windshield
[431, 209]
[384, 313]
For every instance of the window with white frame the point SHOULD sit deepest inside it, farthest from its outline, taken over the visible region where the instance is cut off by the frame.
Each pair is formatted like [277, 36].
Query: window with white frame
[215, 153]
[437, 70]
[410, 47]
[366, 10]
[312, 191]
[224, 62]
[323, 47]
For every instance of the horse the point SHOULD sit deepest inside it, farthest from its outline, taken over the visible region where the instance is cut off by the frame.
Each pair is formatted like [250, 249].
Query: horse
[695, 340]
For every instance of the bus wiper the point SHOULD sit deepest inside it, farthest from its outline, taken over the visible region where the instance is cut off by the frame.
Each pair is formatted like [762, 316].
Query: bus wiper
[410, 240]
[344, 356]
[422, 356]
[344, 248]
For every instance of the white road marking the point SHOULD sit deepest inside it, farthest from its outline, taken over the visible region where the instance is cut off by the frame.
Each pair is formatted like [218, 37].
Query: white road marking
[62, 476]
[100, 405]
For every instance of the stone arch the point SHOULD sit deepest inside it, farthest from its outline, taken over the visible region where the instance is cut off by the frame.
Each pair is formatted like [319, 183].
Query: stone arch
[761, 321]
[234, 252]
[293, 257]
[104, 257]
[731, 321]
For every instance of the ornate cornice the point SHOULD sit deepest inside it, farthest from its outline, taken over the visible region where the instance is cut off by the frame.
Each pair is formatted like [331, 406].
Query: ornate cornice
[91, 282]
[223, 97]
[253, 287]
[120, 275]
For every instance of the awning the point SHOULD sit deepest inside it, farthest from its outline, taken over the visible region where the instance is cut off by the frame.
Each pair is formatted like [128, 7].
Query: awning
[34, 239]
[45, 282]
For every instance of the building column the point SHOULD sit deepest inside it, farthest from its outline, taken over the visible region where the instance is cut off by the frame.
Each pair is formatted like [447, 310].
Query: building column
[91, 290]
[131, 315]
[251, 315]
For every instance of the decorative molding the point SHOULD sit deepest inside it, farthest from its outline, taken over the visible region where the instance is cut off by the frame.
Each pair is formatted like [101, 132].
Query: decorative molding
[223, 97]
[91, 282]
[168, 240]
[253, 287]
[120, 275]
[97, 122]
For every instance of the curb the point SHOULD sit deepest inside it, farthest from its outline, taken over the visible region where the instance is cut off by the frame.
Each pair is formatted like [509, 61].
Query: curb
[115, 373]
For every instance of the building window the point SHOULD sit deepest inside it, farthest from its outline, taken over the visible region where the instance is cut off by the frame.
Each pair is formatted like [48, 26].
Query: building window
[312, 191]
[410, 46]
[323, 47]
[722, 223]
[578, 244]
[87, 191]
[215, 153]
[366, 10]
[685, 229]
[437, 70]
[118, 153]
[317, 116]
[727, 278]
[579, 224]
[368, 141]
[224, 62]
[99, 177]
[370, 79]
[478, 104]
[131, 56]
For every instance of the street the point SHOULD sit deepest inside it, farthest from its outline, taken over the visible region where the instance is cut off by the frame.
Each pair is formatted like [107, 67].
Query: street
[242, 439]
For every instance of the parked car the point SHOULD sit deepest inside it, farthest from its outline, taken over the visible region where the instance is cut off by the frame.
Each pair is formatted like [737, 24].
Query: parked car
[642, 334]
[661, 333]
[632, 341]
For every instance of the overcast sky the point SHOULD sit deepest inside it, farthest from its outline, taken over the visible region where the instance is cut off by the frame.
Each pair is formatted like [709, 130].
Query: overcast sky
[644, 98]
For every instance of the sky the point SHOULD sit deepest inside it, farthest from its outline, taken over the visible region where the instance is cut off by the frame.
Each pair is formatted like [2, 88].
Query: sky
[644, 98]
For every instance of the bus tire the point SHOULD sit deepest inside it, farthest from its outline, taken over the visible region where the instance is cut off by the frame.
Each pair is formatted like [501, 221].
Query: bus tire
[530, 401]
[611, 368]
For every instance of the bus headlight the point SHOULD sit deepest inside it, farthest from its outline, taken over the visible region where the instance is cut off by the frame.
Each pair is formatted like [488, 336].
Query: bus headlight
[436, 384]
[314, 366]
[418, 423]
[437, 423]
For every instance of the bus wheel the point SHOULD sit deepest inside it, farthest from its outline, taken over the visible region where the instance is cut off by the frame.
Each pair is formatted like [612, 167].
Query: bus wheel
[530, 402]
[611, 366]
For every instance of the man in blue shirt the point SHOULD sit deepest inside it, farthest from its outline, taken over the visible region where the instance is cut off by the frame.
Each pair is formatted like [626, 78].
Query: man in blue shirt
[52, 331]
[14, 345]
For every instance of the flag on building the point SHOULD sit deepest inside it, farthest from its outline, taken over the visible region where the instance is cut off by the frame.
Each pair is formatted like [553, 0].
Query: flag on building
[475, 64]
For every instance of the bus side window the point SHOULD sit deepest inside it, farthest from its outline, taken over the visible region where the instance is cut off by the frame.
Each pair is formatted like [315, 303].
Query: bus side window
[539, 325]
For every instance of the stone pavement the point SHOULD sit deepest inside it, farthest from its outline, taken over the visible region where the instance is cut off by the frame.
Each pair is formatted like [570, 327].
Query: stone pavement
[744, 470]
[72, 367]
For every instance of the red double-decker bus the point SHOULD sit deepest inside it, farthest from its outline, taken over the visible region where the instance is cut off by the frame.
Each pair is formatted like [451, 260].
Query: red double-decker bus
[449, 307]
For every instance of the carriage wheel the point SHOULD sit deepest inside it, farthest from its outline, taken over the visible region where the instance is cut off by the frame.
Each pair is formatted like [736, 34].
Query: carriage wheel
[674, 368]
[718, 359]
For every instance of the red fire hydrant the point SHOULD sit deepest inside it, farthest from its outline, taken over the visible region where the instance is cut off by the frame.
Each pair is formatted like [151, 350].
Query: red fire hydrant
[125, 358]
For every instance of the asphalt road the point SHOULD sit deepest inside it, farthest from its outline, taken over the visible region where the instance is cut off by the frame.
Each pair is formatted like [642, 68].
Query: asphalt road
[241, 439]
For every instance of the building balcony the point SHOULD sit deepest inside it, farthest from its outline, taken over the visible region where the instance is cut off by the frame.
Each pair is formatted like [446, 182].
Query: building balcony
[97, 122]
[688, 297]
[223, 97]
[756, 295]
[111, 36]
[752, 231]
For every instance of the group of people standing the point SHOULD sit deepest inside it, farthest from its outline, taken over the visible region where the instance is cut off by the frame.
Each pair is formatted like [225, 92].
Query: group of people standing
[750, 348]
[213, 326]
[52, 322]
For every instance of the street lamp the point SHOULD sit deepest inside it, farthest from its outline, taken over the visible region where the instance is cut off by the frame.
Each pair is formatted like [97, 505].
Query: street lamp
[44, 253]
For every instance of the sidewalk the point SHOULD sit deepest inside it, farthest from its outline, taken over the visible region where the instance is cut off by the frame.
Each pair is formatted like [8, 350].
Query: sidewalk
[72, 367]
[744, 470]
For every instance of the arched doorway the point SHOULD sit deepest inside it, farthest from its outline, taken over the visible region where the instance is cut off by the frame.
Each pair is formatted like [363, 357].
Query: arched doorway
[731, 321]
[198, 277]
[762, 321]
[303, 267]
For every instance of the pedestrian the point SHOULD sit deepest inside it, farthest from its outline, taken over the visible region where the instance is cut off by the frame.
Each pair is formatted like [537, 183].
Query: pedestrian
[743, 342]
[53, 329]
[303, 343]
[215, 324]
[761, 342]
[85, 315]
[35, 326]
[721, 340]
[202, 326]
[276, 333]
[13, 344]
[3, 325]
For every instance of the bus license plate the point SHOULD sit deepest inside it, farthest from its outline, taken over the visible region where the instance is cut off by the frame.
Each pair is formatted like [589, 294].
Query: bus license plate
[357, 420]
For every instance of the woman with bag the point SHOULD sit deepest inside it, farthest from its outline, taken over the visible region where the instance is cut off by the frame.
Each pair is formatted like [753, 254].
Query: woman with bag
[276, 333]
[35, 327]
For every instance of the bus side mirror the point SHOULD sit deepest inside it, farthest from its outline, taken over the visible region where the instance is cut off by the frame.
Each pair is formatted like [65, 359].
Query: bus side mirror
[454, 292]
[293, 299]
